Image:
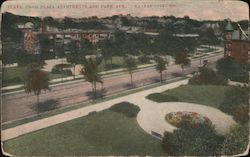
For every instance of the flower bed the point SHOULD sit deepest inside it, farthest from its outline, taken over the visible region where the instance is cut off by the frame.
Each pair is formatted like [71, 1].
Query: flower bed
[193, 118]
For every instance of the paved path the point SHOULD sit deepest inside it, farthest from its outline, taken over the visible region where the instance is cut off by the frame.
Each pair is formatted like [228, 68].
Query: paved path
[149, 118]
[152, 116]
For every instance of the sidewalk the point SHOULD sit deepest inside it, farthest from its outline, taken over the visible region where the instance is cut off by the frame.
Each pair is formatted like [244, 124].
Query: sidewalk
[60, 118]
[59, 80]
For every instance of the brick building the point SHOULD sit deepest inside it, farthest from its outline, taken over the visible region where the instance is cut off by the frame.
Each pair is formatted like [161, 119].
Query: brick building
[236, 44]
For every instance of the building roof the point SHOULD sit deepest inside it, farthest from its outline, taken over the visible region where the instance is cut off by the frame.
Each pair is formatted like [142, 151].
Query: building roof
[236, 35]
[229, 26]
[187, 35]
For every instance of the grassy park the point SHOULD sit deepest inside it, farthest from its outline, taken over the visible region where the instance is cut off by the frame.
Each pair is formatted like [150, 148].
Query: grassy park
[105, 133]
[209, 95]
[16, 75]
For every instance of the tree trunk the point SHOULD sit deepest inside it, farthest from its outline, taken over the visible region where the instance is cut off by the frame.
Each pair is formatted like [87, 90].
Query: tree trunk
[131, 79]
[111, 62]
[37, 99]
[105, 63]
[74, 71]
[161, 76]
[94, 90]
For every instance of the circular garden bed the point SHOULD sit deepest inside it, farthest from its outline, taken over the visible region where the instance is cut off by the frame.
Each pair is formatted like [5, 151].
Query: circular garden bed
[193, 118]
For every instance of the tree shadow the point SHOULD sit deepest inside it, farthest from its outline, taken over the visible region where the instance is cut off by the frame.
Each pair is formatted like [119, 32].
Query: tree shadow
[177, 74]
[44, 106]
[99, 94]
[129, 85]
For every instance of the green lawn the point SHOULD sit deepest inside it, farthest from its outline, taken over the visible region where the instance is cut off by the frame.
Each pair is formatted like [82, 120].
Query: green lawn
[104, 133]
[117, 62]
[203, 94]
[15, 75]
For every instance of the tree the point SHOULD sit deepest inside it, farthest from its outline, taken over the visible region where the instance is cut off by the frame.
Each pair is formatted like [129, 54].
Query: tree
[36, 81]
[182, 59]
[108, 48]
[234, 98]
[90, 72]
[72, 57]
[232, 69]
[130, 64]
[208, 76]
[160, 65]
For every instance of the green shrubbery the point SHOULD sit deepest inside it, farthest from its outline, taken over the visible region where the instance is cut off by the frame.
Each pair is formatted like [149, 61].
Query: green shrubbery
[160, 97]
[144, 59]
[236, 141]
[128, 109]
[233, 70]
[236, 103]
[208, 76]
[59, 69]
[191, 140]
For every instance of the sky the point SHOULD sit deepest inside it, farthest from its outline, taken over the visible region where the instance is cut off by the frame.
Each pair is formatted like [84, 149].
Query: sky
[196, 9]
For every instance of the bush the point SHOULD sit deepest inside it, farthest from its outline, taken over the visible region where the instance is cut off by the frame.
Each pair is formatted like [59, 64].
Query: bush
[236, 141]
[159, 97]
[240, 113]
[59, 69]
[208, 76]
[192, 141]
[67, 72]
[144, 59]
[233, 98]
[56, 70]
[128, 109]
[233, 70]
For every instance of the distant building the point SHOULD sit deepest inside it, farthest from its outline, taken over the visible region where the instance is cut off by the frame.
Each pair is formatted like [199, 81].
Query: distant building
[187, 35]
[26, 26]
[214, 26]
[236, 44]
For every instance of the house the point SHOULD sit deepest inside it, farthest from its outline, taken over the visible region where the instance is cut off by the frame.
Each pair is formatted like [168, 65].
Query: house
[236, 43]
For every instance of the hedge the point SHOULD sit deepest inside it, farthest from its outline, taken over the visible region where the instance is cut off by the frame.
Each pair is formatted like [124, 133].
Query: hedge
[126, 108]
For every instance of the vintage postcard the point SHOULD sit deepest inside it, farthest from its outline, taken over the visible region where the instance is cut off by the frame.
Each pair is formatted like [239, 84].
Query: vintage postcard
[125, 78]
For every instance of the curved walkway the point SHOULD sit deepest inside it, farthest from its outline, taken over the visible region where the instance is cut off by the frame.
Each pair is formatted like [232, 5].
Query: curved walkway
[152, 116]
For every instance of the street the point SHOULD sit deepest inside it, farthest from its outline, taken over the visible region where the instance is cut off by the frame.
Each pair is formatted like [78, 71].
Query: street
[21, 105]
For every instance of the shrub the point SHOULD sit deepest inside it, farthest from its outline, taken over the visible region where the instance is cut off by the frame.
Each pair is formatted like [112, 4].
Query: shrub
[67, 72]
[234, 97]
[240, 113]
[128, 109]
[189, 140]
[56, 70]
[232, 69]
[208, 76]
[159, 97]
[144, 59]
[236, 141]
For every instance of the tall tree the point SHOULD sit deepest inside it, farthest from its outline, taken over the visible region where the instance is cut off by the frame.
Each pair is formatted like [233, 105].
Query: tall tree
[160, 65]
[73, 56]
[232, 69]
[182, 60]
[90, 72]
[36, 81]
[131, 66]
